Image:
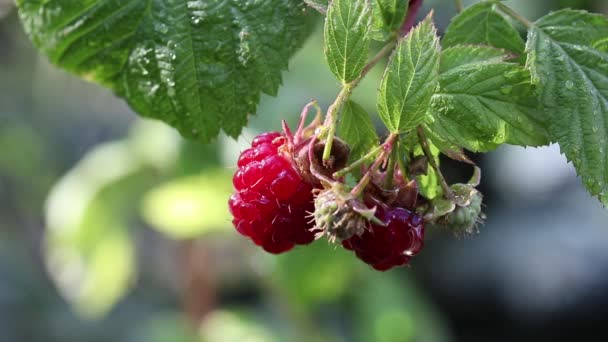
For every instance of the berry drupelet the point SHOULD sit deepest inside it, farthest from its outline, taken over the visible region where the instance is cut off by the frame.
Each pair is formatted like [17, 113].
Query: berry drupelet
[392, 244]
[271, 200]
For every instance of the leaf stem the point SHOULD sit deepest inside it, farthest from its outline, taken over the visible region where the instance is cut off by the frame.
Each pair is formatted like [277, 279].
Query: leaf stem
[424, 143]
[410, 17]
[332, 118]
[404, 173]
[459, 6]
[390, 169]
[511, 13]
[358, 163]
[332, 112]
[387, 148]
[386, 49]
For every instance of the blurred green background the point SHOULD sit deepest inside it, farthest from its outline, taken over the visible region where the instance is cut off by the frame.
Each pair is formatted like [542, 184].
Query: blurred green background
[113, 228]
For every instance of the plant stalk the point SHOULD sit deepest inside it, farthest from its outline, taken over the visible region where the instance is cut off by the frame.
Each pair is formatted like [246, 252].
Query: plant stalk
[358, 162]
[511, 13]
[410, 18]
[387, 148]
[334, 110]
[459, 6]
[424, 143]
[390, 169]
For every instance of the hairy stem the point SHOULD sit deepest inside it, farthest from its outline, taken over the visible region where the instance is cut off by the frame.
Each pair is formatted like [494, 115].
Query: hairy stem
[387, 148]
[332, 113]
[424, 143]
[404, 172]
[304, 115]
[390, 169]
[350, 168]
[332, 117]
[459, 6]
[511, 13]
[410, 18]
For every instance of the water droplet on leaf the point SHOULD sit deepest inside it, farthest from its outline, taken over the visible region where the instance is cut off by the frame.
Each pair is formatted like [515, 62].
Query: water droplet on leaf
[162, 28]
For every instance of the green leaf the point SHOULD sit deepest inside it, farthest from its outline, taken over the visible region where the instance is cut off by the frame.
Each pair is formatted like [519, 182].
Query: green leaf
[388, 16]
[347, 38]
[188, 207]
[315, 275]
[89, 252]
[484, 103]
[573, 26]
[391, 307]
[483, 24]
[410, 78]
[356, 128]
[573, 81]
[200, 66]
[429, 184]
[232, 325]
[601, 45]
[462, 55]
[165, 326]
[319, 5]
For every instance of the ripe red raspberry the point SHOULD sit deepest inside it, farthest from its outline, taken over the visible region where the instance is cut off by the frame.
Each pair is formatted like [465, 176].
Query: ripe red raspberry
[272, 200]
[384, 247]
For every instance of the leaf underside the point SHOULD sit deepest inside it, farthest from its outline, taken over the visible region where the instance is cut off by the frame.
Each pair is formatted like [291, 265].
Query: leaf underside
[200, 66]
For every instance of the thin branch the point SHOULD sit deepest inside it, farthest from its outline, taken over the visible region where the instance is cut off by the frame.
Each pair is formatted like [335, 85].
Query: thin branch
[332, 112]
[427, 152]
[358, 163]
[387, 148]
[410, 18]
[459, 6]
[511, 13]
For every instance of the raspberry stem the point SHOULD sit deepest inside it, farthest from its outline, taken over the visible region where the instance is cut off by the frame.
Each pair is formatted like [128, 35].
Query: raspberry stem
[410, 18]
[302, 129]
[387, 148]
[336, 107]
[447, 191]
[350, 168]
[511, 13]
[390, 170]
[332, 117]
[402, 168]
[459, 6]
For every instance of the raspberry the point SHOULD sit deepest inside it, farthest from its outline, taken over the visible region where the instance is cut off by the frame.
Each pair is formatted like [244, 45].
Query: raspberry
[384, 247]
[465, 213]
[339, 215]
[272, 200]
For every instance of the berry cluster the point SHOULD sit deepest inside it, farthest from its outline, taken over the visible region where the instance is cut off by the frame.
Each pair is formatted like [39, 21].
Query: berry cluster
[275, 200]
[291, 190]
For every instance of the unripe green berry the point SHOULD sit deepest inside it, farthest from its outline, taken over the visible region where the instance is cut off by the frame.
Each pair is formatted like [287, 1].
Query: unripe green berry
[464, 219]
[339, 216]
